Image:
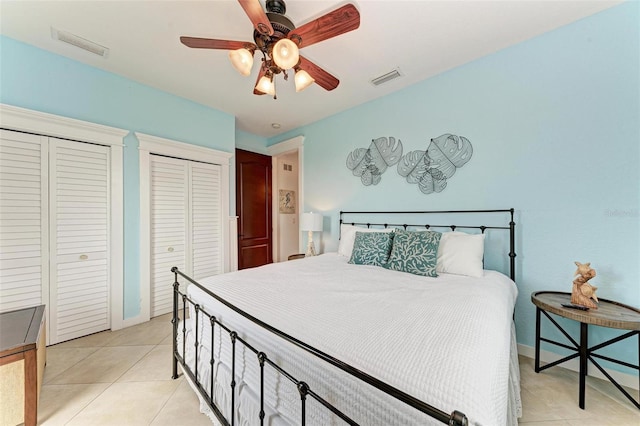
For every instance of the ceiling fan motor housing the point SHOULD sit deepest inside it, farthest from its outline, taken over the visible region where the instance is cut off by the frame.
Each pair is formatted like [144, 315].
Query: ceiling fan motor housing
[282, 25]
[276, 6]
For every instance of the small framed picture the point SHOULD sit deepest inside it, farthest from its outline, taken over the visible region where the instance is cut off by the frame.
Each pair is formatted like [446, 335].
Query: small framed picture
[287, 201]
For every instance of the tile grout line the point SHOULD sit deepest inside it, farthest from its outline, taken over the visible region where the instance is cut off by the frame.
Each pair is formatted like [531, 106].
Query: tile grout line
[49, 382]
[88, 402]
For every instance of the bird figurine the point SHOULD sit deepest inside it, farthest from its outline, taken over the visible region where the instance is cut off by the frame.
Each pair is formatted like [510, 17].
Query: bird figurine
[583, 293]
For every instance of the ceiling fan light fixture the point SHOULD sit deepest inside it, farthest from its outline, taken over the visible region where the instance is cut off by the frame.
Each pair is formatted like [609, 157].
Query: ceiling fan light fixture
[242, 60]
[266, 85]
[278, 40]
[285, 54]
[302, 80]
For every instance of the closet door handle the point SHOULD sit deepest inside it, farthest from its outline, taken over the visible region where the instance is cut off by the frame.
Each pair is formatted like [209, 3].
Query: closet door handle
[83, 257]
[170, 249]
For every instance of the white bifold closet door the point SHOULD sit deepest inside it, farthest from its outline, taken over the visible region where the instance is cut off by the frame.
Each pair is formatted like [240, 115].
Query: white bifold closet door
[54, 228]
[186, 224]
[24, 240]
[79, 238]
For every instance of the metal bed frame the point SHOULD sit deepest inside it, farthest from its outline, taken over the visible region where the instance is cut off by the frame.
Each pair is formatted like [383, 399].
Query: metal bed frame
[455, 418]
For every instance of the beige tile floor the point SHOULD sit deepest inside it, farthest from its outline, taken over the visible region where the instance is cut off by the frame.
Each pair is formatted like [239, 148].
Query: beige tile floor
[124, 378]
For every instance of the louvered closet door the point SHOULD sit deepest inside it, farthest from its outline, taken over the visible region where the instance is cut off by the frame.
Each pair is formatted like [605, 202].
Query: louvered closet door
[169, 212]
[206, 220]
[79, 230]
[24, 264]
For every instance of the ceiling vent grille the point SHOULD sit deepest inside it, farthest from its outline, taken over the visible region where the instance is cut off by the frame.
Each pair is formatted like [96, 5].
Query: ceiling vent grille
[80, 42]
[386, 77]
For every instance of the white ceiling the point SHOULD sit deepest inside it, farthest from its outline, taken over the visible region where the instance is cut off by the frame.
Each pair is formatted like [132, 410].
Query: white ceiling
[420, 37]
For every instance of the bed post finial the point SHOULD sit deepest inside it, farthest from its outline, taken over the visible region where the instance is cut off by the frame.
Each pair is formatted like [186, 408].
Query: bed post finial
[458, 419]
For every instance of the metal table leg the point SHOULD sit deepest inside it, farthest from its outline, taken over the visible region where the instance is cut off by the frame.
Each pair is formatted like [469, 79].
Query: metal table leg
[537, 364]
[584, 345]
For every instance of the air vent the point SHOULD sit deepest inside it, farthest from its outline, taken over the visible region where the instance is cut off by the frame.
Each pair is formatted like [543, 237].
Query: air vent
[80, 42]
[386, 77]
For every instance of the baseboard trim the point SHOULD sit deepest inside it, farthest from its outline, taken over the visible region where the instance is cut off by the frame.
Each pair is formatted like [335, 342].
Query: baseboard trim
[628, 380]
[139, 319]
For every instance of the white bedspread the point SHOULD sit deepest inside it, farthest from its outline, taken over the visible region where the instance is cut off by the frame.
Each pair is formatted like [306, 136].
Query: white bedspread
[444, 340]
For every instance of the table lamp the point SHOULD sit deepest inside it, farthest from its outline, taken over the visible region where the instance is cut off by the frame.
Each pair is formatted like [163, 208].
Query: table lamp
[311, 222]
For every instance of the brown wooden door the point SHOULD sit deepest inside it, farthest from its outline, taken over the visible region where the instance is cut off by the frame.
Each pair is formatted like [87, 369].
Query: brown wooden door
[253, 207]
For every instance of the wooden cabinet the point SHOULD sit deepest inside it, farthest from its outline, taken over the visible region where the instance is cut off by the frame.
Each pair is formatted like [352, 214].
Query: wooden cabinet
[22, 360]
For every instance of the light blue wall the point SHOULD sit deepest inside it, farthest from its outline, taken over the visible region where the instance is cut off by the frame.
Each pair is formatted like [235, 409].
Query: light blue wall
[38, 80]
[250, 142]
[555, 127]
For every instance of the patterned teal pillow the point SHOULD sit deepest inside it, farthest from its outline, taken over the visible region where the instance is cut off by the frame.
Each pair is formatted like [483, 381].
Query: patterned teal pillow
[371, 248]
[415, 252]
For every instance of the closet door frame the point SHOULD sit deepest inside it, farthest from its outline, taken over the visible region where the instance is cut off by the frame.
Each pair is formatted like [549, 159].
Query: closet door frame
[25, 120]
[155, 145]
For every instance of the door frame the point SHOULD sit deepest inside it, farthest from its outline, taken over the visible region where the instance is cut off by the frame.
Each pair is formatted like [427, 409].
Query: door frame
[295, 144]
[25, 120]
[149, 144]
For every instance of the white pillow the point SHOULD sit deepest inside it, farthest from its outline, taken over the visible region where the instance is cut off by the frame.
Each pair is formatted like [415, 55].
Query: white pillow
[461, 253]
[348, 236]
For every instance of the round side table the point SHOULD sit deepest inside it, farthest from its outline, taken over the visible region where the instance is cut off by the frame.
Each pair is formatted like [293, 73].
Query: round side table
[609, 314]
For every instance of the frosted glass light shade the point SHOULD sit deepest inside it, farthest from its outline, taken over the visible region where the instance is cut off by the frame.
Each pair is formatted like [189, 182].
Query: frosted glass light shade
[311, 222]
[242, 61]
[303, 80]
[265, 85]
[285, 54]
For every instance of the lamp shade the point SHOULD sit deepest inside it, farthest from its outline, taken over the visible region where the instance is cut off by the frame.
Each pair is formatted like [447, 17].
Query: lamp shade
[285, 54]
[302, 80]
[242, 61]
[311, 222]
[265, 85]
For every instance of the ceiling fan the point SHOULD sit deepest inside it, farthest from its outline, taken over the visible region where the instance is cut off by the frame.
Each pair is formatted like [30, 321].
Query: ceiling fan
[279, 41]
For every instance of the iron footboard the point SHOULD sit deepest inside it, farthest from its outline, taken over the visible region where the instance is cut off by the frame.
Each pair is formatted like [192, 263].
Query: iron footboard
[262, 359]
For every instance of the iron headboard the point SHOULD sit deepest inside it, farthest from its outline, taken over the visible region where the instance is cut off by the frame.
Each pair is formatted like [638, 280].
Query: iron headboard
[511, 226]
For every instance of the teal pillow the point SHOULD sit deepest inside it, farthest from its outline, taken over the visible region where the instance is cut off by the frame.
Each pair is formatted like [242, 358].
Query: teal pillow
[371, 248]
[415, 252]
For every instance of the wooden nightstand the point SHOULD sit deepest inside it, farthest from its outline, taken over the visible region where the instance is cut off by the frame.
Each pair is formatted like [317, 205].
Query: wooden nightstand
[296, 256]
[22, 359]
[609, 314]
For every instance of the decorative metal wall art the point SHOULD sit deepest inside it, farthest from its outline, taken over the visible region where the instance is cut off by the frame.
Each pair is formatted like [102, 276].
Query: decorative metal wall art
[429, 169]
[370, 163]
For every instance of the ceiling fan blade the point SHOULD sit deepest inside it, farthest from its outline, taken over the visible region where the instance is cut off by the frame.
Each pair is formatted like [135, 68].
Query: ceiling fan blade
[254, 11]
[209, 43]
[321, 77]
[340, 21]
[260, 74]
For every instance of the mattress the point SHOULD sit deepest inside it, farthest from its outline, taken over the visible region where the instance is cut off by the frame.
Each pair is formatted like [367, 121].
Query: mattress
[448, 341]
